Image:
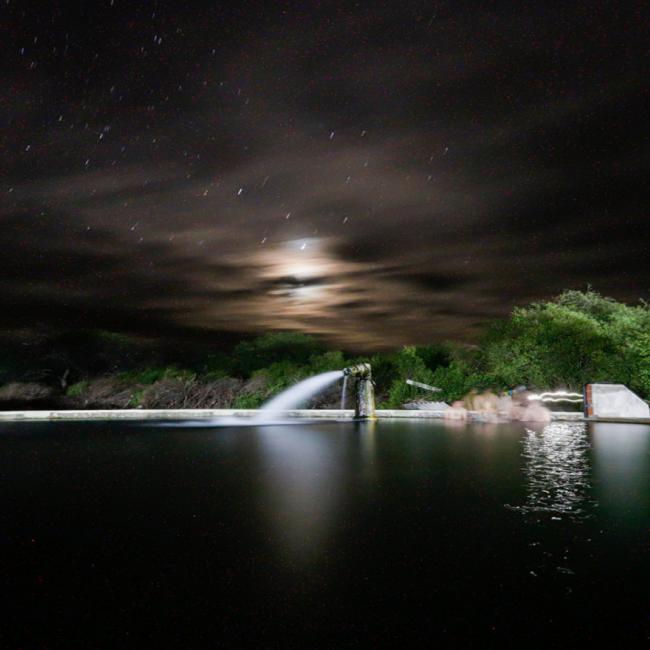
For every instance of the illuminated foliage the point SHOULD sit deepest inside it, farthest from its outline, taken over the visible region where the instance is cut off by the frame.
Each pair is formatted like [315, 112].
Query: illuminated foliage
[577, 338]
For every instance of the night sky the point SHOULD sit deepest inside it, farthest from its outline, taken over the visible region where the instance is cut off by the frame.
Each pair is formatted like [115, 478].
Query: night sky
[375, 173]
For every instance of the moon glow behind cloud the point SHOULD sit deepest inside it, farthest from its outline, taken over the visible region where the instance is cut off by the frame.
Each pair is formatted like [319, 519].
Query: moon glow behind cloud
[374, 174]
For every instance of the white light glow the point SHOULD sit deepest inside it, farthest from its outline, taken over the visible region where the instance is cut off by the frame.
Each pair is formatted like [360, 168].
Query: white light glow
[557, 396]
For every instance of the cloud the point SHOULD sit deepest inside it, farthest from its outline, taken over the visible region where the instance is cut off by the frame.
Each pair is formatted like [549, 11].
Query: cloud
[440, 164]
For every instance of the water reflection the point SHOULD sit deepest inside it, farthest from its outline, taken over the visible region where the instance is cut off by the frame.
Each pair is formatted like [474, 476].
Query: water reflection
[621, 462]
[367, 433]
[302, 482]
[557, 469]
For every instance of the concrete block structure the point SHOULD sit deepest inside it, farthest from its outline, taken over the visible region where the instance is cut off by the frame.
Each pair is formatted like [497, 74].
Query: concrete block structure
[613, 401]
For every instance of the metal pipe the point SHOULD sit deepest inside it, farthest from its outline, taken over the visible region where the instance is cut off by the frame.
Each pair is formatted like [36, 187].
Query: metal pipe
[419, 384]
[364, 391]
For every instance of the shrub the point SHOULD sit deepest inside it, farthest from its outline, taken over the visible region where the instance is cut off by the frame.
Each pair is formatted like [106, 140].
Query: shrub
[253, 393]
[249, 401]
[325, 362]
[78, 389]
[189, 393]
[24, 391]
[408, 365]
[457, 379]
[102, 393]
[216, 365]
[276, 347]
[152, 375]
[384, 370]
[434, 355]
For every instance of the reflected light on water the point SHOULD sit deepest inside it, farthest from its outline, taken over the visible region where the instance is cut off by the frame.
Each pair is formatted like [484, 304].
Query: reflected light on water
[302, 481]
[620, 463]
[557, 470]
[368, 441]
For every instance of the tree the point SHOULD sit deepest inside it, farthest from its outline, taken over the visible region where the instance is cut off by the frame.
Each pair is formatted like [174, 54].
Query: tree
[577, 338]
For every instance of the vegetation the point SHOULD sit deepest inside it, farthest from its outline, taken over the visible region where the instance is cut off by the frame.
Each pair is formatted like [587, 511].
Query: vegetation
[577, 338]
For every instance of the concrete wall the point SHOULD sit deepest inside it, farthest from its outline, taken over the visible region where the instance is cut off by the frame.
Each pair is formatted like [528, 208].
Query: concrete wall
[202, 414]
[614, 401]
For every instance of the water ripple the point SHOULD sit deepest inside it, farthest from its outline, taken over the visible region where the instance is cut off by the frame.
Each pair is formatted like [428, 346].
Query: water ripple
[557, 470]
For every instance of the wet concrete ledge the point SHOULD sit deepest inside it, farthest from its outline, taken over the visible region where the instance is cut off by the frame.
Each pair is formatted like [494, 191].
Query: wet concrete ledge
[200, 414]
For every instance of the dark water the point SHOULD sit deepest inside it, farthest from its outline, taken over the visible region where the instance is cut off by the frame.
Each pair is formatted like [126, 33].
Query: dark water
[328, 535]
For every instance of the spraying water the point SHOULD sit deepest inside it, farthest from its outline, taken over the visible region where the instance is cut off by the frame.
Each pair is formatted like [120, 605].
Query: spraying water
[294, 396]
[271, 411]
[344, 391]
